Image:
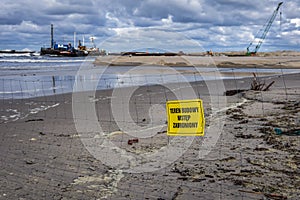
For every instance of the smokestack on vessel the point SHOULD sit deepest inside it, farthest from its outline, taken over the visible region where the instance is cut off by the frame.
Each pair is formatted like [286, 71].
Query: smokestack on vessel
[52, 42]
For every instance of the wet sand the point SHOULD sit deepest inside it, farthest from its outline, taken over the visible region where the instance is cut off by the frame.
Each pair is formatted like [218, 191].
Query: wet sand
[42, 156]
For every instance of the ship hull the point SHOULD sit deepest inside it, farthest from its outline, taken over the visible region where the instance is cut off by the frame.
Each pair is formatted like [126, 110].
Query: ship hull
[56, 52]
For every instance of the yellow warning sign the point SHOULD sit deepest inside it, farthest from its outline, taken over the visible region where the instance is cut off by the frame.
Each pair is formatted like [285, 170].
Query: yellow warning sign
[185, 118]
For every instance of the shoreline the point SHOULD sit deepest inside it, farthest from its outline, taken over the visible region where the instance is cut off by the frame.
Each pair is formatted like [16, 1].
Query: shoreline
[207, 75]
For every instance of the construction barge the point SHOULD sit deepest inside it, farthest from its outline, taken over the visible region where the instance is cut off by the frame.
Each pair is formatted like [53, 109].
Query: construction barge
[68, 50]
[63, 50]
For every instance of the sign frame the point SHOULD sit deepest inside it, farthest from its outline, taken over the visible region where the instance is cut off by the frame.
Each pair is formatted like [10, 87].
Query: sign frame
[184, 111]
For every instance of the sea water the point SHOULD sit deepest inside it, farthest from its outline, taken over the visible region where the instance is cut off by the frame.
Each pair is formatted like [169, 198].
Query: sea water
[27, 76]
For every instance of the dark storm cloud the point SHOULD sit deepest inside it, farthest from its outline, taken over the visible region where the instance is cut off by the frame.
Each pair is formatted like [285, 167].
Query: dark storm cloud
[220, 24]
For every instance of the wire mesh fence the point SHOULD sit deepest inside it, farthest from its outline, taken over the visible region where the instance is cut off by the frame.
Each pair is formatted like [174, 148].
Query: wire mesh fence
[108, 138]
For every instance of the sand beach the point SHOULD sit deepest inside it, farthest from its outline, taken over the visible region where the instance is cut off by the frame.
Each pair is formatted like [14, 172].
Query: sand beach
[43, 155]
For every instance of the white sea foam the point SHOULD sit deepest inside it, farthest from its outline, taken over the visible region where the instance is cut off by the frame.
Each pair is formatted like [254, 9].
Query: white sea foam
[42, 108]
[14, 114]
[16, 55]
[40, 60]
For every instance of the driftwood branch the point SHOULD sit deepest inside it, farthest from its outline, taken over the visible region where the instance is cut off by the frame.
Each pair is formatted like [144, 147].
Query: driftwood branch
[257, 85]
[267, 88]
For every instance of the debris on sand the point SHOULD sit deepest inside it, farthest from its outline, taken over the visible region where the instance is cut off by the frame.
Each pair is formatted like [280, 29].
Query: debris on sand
[131, 141]
[233, 92]
[106, 184]
[268, 195]
[257, 85]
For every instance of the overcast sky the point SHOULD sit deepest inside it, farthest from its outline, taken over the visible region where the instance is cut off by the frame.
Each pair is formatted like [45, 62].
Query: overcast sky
[219, 25]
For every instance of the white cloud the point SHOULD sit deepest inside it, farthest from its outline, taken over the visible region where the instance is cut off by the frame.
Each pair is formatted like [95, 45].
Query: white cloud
[28, 26]
[142, 38]
[296, 21]
[167, 21]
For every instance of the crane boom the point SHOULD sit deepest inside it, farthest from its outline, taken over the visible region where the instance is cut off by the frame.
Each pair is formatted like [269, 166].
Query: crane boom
[260, 37]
